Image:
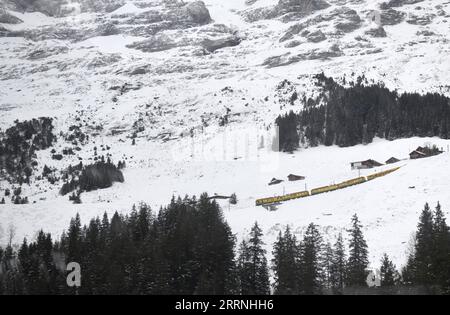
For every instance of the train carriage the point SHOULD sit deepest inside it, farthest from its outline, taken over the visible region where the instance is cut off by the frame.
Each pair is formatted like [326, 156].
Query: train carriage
[325, 189]
[352, 182]
[272, 200]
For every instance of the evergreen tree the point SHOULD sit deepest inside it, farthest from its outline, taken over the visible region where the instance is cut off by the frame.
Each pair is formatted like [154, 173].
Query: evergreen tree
[311, 262]
[287, 132]
[424, 248]
[253, 270]
[408, 273]
[338, 272]
[74, 240]
[1, 272]
[441, 250]
[285, 264]
[347, 116]
[388, 272]
[215, 250]
[358, 257]
[328, 254]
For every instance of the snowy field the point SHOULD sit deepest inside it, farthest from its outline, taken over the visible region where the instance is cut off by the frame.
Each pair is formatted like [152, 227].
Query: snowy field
[389, 207]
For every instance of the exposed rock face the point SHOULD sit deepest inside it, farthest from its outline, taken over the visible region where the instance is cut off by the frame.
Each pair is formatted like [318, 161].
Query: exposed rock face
[5, 32]
[107, 29]
[376, 32]
[156, 43]
[420, 20]
[293, 30]
[45, 50]
[425, 33]
[162, 42]
[315, 54]
[153, 21]
[295, 9]
[47, 7]
[102, 60]
[348, 20]
[286, 6]
[7, 18]
[62, 32]
[198, 12]
[392, 17]
[289, 10]
[59, 8]
[344, 19]
[279, 61]
[293, 43]
[397, 3]
[213, 45]
[315, 37]
[192, 13]
[146, 22]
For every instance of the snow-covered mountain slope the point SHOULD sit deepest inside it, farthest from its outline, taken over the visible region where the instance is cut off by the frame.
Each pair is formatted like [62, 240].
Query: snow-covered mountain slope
[167, 72]
[389, 207]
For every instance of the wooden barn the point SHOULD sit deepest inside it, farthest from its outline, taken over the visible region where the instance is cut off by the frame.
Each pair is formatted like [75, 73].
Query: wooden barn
[422, 152]
[417, 154]
[365, 164]
[293, 177]
[392, 160]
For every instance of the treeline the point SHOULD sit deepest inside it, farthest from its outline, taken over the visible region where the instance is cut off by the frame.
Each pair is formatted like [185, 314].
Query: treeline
[188, 248]
[347, 116]
[312, 267]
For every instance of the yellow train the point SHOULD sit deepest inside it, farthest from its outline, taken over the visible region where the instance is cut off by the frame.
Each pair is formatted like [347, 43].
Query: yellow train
[271, 200]
[352, 182]
[381, 174]
[325, 189]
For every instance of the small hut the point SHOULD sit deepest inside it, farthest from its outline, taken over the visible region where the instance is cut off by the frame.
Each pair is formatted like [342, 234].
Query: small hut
[392, 160]
[293, 177]
[275, 181]
[365, 164]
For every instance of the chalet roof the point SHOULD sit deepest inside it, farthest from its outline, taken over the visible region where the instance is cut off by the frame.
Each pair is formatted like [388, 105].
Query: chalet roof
[370, 161]
[418, 152]
[420, 149]
[392, 160]
[293, 175]
[426, 150]
[275, 181]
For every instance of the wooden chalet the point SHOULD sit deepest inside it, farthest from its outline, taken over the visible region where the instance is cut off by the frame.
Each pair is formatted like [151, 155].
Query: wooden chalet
[392, 160]
[365, 164]
[422, 152]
